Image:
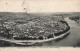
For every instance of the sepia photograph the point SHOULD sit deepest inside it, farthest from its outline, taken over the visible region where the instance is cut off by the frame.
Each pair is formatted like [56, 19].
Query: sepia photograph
[39, 23]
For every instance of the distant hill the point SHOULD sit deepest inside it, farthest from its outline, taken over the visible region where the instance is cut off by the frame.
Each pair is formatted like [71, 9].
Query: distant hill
[11, 15]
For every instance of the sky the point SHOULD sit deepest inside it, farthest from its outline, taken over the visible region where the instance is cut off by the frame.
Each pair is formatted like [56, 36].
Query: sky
[40, 5]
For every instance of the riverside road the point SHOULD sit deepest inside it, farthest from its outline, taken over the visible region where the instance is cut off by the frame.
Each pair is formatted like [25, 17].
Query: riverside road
[69, 41]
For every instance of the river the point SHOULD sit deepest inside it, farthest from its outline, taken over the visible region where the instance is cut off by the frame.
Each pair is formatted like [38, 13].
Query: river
[69, 41]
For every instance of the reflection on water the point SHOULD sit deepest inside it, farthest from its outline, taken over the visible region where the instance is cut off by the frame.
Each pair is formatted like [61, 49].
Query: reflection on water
[77, 44]
[57, 40]
[4, 43]
[51, 42]
[70, 40]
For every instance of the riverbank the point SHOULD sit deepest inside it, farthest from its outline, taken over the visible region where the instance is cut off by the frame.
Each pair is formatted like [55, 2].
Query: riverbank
[30, 42]
[56, 36]
[70, 41]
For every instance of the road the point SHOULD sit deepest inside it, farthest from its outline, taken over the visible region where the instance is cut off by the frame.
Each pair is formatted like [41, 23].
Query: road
[69, 41]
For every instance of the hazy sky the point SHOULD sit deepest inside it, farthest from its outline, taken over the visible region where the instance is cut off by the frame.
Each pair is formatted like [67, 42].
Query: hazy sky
[40, 5]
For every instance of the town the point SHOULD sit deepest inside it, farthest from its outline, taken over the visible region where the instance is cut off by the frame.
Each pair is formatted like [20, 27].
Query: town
[42, 27]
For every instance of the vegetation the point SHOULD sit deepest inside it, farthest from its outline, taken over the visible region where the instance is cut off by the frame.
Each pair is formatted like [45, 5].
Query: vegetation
[31, 27]
[75, 18]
